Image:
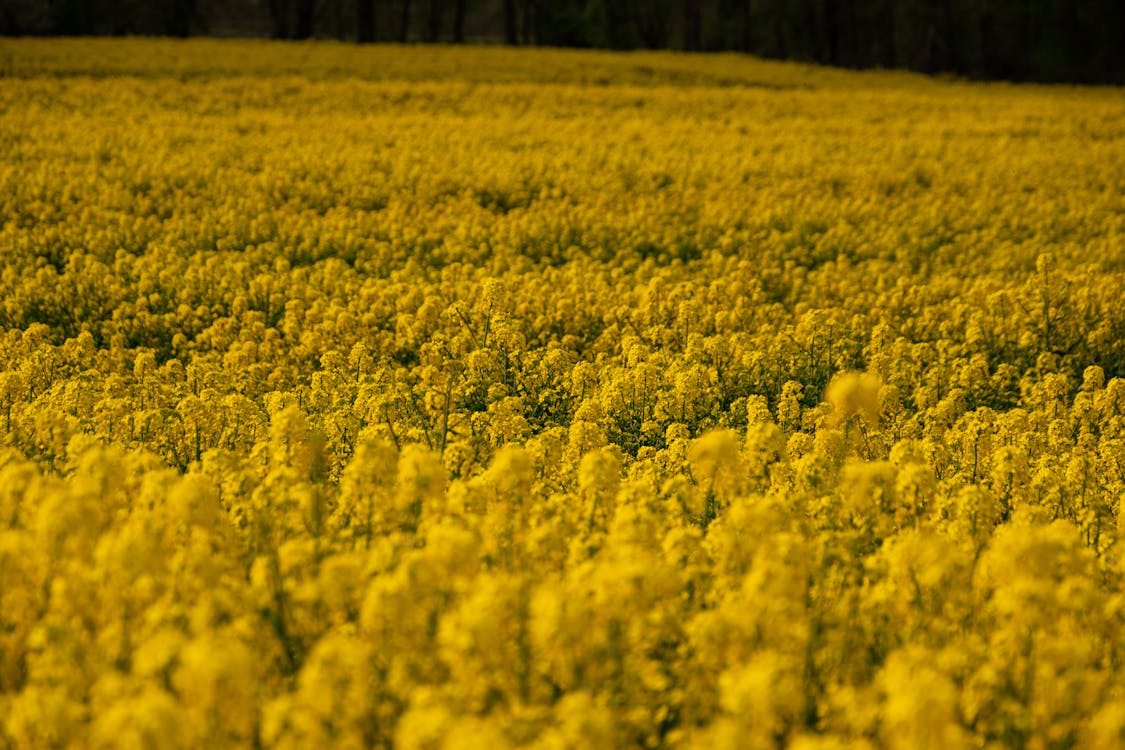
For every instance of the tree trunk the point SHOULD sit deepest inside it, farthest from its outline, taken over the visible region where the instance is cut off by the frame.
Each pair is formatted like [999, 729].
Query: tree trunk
[890, 55]
[433, 23]
[645, 18]
[340, 29]
[747, 26]
[459, 21]
[511, 29]
[306, 19]
[527, 22]
[832, 30]
[617, 24]
[1029, 34]
[781, 48]
[9, 23]
[404, 31]
[983, 47]
[942, 56]
[365, 21]
[693, 25]
[180, 18]
[279, 14]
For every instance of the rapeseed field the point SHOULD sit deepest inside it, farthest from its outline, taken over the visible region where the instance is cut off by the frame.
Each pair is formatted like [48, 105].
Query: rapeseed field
[428, 397]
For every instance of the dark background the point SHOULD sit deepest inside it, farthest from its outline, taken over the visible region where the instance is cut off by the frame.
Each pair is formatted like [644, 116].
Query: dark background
[1041, 40]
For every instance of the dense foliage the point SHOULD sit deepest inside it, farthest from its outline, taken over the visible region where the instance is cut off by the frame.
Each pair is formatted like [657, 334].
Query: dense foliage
[555, 400]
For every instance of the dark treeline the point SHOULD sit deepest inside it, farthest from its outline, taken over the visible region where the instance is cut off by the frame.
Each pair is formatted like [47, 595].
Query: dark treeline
[1045, 40]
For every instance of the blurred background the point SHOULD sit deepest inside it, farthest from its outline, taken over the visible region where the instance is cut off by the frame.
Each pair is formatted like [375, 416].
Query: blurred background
[1039, 40]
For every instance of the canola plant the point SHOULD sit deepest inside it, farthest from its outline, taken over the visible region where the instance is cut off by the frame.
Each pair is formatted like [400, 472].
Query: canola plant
[427, 397]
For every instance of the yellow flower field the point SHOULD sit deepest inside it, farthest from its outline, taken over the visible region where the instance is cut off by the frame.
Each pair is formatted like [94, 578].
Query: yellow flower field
[437, 397]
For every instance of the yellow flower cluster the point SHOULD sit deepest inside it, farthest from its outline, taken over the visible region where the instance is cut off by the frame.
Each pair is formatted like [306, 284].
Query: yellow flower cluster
[457, 398]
